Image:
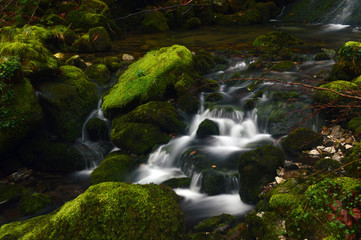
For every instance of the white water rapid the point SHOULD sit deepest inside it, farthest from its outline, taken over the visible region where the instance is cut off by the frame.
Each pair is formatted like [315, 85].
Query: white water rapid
[342, 13]
[238, 129]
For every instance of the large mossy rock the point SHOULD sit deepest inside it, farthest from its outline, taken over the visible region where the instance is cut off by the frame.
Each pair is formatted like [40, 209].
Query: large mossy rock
[350, 59]
[67, 102]
[114, 168]
[20, 113]
[257, 168]
[161, 114]
[139, 138]
[28, 44]
[154, 22]
[148, 79]
[108, 211]
[301, 139]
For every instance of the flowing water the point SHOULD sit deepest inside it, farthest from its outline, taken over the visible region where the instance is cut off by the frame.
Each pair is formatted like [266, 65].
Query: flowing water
[343, 12]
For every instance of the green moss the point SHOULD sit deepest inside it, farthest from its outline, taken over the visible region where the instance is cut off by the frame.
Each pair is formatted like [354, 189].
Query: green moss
[350, 58]
[148, 78]
[355, 124]
[68, 102]
[328, 164]
[114, 168]
[193, 23]
[277, 38]
[284, 201]
[352, 159]
[62, 37]
[35, 58]
[160, 114]
[76, 61]
[211, 224]
[9, 192]
[33, 203]
[112, 63]
[96, 6]
[324, 96]
[98, 73]
[207, 128]
[83, 44]
[257, 168]
[283, 66]
[267, 227]
[20, 116]
[154, 22]
[53, 19]
[108, 211]
[178, 182]
[100, 39]
[301, 139]
[216, 182]
[137, 138]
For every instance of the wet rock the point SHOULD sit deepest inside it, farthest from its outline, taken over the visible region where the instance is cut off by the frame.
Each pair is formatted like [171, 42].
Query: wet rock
[98, 73]
[154, 22]
[100, 39]
[76, 61]
[178, 182]
[214, 223]
[207, 128]
[97, 129]
[257, 168]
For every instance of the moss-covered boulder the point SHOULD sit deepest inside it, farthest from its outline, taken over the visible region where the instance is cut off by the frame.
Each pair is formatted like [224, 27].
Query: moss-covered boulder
[98, 73]
[20, 112]
[62, 38]
[82, 19]
[257, 168]
[148, 78]
[33, 203]
[108, 211]
[213, 223]
[193, 23]
[160, 114]
[112, 63]
[264, 226]
[353, 168]
[114, 168]
[350, 58]
[154, 22]
[53, 19]
[301, 139]
[97, 129]
[35, 58]
[327, 96]
[100, 39]
[67, 102]
[137, 138]
[83, 44]
[207, 128]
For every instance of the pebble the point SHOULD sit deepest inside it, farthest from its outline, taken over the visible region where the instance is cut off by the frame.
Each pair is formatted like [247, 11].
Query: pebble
[127, 57]
[314, 152]
[330, 149]
[348, 146]
[279, 180]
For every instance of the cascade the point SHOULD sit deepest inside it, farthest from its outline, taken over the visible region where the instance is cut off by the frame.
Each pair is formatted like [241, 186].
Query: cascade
[343, 12]
[93, 152]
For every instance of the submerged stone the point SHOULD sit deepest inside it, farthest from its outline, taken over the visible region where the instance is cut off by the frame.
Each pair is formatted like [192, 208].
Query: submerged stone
[108, 211]
[148, 79]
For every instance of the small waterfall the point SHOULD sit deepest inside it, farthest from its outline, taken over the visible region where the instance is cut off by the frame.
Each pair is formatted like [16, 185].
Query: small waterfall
[343, 12]
[93, 152]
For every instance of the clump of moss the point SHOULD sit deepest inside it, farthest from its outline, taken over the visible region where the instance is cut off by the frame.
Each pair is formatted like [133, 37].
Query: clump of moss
[33, 203]
[83, 44]
[108, 211]
[325, 96]
[98, 73]
[114, 168]
[137, 138]
[148, 78]
[355, 124]
[9, 192]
